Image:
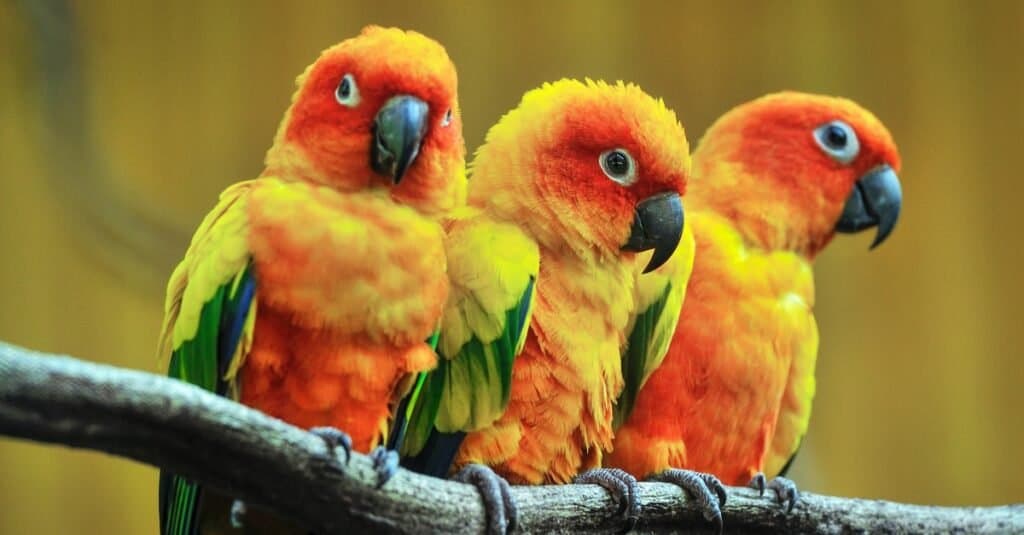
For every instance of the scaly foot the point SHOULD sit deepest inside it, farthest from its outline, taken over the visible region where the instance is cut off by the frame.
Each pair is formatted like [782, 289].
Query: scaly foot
[705, 488]
[623, 489]
[333, 438]
[785, 490]
[237, 514]
[385, 463]
[496, 494]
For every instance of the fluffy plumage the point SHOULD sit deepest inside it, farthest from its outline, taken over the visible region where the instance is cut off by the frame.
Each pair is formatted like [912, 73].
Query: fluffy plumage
[492, 268]
[733, 395]
[334, 271]
[539, 170]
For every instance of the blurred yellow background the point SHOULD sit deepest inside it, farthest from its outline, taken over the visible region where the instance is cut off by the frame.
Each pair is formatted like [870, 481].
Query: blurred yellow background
[120, 122]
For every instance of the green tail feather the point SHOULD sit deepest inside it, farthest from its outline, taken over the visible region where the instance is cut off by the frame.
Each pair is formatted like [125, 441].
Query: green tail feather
[202, 361]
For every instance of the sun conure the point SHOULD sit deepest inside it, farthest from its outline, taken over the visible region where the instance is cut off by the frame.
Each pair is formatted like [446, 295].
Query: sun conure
[773, 180]
[310, 292]
[591, 173]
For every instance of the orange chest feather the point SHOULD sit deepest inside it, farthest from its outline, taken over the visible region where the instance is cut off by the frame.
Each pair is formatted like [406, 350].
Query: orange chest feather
[349, 286]
[719, 389]
[354, 264]
[311, 377]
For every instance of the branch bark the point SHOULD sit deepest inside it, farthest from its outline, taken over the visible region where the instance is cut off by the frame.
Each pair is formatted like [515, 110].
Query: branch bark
[268, 463]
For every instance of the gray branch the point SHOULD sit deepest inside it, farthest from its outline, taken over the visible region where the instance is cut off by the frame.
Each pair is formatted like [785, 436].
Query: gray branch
[271, 464]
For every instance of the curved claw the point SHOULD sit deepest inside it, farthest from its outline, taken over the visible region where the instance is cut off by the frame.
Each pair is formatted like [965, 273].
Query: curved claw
[385, 463]
[334, 437]
[237, 515]
[758, 482]
[715, 485]
[705, 488]
[623, 489]
[496, 494]
[785, 492]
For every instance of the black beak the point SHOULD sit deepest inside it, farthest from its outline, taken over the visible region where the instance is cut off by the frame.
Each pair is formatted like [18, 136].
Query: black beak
[398, 132]
[658, 225]
[874, 202]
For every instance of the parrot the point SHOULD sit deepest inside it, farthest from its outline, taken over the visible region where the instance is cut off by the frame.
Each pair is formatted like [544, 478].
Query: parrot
[773, 181]
[592, 173]
[314, 292]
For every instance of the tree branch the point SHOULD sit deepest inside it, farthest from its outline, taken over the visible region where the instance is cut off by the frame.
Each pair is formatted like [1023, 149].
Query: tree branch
[269, 463]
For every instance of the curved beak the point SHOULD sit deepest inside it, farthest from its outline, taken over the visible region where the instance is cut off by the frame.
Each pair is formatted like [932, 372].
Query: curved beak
[658, 225]
[398, 131]
[874, 202]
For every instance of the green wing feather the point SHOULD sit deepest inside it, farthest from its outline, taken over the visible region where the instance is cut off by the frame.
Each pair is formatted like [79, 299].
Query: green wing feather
[648, 342]
[471, 388]
[414, 408]
[493, 268]
[207, 330]
[203, 361]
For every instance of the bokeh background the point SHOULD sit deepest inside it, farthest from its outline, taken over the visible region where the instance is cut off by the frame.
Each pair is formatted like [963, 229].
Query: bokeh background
[120, 122]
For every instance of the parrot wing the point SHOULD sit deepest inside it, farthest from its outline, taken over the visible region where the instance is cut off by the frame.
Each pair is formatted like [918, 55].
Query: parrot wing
[207, 331]
[798, 337]
[492, 268]
[659, 300]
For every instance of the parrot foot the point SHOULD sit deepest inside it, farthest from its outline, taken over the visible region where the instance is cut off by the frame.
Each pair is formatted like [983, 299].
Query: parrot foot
[333, 438]
[785, 490]
[495, 492]
[385, 463]
[758, 482]
[622, 487]
[705, 488]
[238, 511]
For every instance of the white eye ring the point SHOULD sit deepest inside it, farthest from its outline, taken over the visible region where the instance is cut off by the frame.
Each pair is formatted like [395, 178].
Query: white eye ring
[618, 165]
[347, 92]
[838, 140]
[447, 119]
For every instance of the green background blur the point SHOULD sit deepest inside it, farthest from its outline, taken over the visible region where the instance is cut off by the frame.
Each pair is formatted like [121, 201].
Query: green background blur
[120, 123]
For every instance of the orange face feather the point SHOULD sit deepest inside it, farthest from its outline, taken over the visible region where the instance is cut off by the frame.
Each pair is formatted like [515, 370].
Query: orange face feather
[761, 165]
[327, 134]
[550, 162]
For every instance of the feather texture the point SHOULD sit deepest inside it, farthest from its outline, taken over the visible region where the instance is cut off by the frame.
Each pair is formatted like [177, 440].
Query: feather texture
[540, 169]
[714, 405]
[208, 327]
[348, 255]
[659, 297]
[492, 267]
[733, 394]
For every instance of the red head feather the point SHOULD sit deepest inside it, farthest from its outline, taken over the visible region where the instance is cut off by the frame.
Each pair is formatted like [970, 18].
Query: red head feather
[761, 165]
[327, 140]
[544, 158]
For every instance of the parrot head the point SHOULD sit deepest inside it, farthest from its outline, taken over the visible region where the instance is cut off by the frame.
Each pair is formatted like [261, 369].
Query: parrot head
[590, 166]
[379, 110]
[792, 169]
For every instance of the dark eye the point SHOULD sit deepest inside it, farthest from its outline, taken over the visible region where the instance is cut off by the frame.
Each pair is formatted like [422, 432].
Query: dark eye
[619, 166]
[835, 137]
[447, 120]
[838, 140]
[347, 94]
